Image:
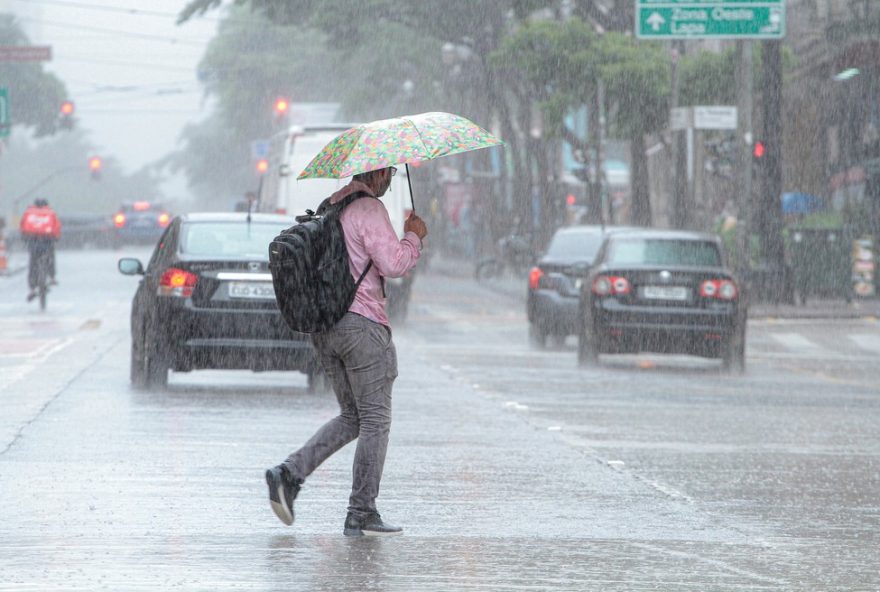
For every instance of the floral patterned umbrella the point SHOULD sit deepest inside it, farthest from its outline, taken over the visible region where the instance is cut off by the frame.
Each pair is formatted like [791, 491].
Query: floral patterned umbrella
[403, 140]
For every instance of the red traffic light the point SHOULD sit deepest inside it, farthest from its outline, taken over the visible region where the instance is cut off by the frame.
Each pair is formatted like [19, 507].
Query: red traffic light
[281, 106]
[759, 150]
[95, 164]
[262, 165]
[67, 108]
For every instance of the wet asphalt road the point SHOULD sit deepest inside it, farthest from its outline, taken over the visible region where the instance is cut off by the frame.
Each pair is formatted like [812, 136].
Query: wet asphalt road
[509, 468]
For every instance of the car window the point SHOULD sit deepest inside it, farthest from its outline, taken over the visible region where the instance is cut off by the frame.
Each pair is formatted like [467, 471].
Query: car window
[574, 245]
[664, 252]
[229, 239]
[162, 246]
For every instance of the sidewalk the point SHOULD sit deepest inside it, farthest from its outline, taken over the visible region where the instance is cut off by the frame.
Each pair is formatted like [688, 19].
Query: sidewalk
[813, 309]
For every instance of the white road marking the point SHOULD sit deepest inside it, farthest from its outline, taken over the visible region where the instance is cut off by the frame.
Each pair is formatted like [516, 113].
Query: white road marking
[867, 341]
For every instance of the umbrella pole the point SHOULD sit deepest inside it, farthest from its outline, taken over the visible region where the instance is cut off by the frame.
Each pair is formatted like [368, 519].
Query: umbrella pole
[412, 201]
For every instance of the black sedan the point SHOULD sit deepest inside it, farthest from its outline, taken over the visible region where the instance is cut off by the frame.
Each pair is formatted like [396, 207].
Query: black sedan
[554, 282]
[206, 301]
[665, 292]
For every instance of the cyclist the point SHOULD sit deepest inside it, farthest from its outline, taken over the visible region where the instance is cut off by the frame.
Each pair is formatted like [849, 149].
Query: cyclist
[40, 229]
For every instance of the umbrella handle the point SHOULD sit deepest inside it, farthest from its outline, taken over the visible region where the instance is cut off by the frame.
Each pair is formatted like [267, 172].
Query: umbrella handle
[412, 201]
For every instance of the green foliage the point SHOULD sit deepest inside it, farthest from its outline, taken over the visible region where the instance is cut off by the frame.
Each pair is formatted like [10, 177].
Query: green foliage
[708, 78]
[637, 83]
[34, 95]
[252, 62]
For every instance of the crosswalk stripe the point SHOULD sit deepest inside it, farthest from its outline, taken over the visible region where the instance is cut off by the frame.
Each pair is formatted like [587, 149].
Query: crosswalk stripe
[797, 342]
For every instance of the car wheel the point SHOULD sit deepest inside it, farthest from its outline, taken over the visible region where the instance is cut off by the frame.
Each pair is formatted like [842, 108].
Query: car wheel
[588, 352]
[156, 363]
[138, 366]
[318, 381]
[537, 336]
[733, 354]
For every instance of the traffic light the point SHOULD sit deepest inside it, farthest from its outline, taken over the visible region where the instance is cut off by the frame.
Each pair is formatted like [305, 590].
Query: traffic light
[95, 167]
[262, 165]
[66, 114]
[282, 106]
[758, 150]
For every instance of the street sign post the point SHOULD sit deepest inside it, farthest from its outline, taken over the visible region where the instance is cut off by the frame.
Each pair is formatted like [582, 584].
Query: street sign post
[708, 19]
[5, 120]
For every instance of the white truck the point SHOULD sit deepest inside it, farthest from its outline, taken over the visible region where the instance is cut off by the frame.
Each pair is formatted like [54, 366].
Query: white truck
[280, 191]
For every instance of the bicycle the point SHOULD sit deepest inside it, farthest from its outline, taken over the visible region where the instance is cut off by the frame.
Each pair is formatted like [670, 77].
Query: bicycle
[514, 255]
[41, 263]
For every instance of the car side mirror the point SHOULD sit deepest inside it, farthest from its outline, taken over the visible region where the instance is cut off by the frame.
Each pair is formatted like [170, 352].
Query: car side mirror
[130, 266]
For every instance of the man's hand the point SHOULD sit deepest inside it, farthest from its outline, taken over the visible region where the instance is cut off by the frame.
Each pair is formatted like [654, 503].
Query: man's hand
[417, 225]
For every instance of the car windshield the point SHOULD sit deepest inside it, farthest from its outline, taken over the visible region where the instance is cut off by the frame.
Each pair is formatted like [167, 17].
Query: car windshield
[229, 239]
[695, 253]
[574, 245]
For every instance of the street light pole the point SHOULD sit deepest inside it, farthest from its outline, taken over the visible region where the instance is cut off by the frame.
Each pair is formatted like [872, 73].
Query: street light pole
[43, 182]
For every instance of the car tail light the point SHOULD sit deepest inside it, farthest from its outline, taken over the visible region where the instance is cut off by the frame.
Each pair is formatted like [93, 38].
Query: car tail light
[177, 282]
[119, 220]
[721, 289]
[535, 276]
[611, 284]
[164, 219]
[141, 206]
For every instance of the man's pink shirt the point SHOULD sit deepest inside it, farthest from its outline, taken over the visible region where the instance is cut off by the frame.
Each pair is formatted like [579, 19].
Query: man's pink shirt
[369, 236]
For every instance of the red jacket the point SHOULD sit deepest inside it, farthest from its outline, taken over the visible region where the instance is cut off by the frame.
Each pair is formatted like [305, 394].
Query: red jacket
[40, 222]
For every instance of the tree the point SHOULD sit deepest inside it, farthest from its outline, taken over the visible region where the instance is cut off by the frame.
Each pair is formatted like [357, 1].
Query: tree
[35, 95]
[369, 28]
[253, 60]
[636, 78]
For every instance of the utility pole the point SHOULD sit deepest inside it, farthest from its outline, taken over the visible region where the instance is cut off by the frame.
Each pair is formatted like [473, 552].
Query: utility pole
[680, 217]
[744, 155]
[771, 178]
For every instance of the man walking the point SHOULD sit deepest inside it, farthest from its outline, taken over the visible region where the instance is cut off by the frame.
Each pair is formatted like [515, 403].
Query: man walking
[359, 359]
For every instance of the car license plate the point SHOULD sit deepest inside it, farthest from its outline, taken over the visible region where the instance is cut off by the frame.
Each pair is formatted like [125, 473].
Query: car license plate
[254, 290]
[666, 292]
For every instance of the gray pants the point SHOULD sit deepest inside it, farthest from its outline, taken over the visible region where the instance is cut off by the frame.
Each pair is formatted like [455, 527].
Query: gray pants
[361, 363]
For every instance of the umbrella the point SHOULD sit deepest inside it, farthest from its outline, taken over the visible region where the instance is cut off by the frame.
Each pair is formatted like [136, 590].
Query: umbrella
[402, 140]
[801, 203]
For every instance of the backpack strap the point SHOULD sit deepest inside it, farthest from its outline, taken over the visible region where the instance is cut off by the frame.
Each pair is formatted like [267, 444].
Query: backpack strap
[340, 206]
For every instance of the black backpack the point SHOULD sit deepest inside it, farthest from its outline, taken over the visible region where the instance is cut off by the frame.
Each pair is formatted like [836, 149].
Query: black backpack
[310, 269]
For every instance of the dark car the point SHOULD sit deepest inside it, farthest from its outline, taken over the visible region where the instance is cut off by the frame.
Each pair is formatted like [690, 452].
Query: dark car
[554, 282]
[141, 222]
[207, 301]
[79, 231]
[665, 292]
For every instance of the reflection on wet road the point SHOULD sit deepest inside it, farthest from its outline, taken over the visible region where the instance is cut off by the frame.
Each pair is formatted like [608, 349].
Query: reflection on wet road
[509, 468]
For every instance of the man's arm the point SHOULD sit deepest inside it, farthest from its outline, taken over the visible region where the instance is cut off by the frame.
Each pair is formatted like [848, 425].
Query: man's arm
[392, 257]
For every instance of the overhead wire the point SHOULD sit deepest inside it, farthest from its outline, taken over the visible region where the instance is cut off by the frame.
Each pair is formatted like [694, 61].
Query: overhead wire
[66, 26]
[115, 9]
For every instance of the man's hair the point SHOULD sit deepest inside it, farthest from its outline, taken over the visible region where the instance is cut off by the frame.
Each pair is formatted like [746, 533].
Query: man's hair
[41, 202]
[363, 177]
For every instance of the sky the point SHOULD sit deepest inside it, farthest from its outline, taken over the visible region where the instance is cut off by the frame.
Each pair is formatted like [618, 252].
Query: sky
[130, 70]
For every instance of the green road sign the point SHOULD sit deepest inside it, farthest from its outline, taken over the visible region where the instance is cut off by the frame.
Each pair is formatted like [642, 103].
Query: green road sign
[730, 19]
[5, 120]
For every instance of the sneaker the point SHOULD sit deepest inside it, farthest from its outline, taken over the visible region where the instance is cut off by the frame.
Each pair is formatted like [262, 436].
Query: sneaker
[369, 525]
[31, 295]
[283, 489]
